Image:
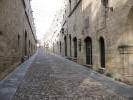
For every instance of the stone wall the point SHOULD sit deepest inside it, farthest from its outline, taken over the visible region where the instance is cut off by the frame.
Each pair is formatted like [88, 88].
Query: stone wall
[14, 27]
[108, 29]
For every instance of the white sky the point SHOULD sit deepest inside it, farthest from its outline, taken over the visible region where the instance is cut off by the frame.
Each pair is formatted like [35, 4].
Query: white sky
[43, 12]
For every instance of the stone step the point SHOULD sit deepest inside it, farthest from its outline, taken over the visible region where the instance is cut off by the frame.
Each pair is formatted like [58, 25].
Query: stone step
[72, 59]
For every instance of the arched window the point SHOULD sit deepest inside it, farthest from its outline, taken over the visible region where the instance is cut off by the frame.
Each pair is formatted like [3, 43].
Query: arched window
[104, 2]
[75, 47]
[88, 42]
[102, 52]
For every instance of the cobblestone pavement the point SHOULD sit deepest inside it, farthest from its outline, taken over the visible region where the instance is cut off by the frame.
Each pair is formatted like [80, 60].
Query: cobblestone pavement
[52, 77]
[8, 86]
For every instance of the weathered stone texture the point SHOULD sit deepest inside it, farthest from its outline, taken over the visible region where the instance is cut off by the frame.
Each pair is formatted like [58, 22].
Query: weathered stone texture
[13, 26]
[96, 20]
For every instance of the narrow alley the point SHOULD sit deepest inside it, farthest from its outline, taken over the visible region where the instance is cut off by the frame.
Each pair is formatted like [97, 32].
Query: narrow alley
[52, 77]
[66, 50]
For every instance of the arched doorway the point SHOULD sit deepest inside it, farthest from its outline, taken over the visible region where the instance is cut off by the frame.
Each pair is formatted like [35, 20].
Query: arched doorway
[70, 45]
[65, 40]
[75, 47]
[25, 43]
[102, 52]
[88, 42]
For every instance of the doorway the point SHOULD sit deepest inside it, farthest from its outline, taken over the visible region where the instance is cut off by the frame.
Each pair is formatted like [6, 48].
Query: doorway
[102, 52]
[65, 40]
[25, 43]
[88, 42]
[75, 47]
[70, 45]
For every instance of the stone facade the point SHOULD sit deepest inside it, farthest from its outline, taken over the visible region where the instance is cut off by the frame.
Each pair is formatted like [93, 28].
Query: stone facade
[17, 33]
[99, 34]
[51, 38]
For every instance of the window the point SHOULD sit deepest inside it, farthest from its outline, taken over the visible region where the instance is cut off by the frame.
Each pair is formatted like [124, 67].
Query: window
[70, 4]
[86, 25]
[104, 2]
[62, 30]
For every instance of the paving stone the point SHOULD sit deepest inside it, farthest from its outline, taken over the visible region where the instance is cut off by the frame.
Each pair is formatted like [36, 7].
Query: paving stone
[51, 77]
[8, 86]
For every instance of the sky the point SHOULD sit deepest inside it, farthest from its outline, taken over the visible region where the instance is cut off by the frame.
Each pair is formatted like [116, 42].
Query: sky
[43, 12]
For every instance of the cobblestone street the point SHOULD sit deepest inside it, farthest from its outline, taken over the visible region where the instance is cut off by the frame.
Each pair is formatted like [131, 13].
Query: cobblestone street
[51, 77]
[66, 50]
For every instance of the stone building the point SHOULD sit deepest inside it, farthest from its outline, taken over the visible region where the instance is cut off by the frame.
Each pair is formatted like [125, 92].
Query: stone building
[17, 33]
[53, 35]
[99, 34]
